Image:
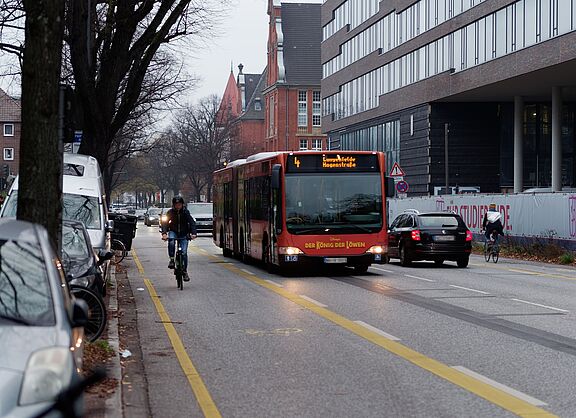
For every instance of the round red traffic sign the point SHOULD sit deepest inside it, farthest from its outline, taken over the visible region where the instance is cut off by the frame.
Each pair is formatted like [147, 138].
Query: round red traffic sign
[402, 187]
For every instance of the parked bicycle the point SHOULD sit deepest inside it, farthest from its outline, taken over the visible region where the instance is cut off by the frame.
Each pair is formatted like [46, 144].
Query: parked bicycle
[492, 248]
[97, 316]
[119, 250]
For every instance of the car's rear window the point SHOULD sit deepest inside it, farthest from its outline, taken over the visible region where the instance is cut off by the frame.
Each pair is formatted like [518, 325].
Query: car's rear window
[440, 221]
[25, 292]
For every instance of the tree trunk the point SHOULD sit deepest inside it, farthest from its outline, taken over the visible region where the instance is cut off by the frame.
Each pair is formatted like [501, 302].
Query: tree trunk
[40, 190]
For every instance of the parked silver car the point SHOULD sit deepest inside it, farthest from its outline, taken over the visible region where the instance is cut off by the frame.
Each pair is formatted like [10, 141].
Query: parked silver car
[41, 334]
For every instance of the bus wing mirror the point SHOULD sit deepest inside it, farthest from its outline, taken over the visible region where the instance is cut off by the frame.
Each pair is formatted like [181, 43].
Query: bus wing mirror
[276, 171]
[390, 187]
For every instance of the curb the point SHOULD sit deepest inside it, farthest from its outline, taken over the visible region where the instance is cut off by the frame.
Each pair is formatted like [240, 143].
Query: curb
[113, 405]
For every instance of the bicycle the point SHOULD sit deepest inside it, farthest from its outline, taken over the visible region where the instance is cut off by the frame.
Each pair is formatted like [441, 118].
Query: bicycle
[179, 264]
[492, 248]
[119, 250]
[97, 315]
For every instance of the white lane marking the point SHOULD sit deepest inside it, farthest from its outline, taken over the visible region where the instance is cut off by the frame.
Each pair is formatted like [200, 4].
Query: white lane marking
[471, 290]
[248, 271]
[377, 331]
[542, 306]
[381, 269]
[315, 302]
[419, 278]
[274, 283]
[502, 387]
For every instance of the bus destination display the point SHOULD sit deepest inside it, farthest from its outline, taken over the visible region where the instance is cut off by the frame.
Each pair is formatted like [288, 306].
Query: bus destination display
[332, 162]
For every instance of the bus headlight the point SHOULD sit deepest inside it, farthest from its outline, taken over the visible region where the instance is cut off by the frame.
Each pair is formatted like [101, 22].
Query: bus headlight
[289, 250]
[377, 249]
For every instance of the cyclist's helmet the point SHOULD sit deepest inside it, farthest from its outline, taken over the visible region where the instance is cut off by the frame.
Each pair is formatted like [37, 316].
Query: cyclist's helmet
[177, 199]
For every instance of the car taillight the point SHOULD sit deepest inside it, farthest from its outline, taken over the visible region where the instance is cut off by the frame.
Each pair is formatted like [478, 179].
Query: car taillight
[469, 236]
[416, 235]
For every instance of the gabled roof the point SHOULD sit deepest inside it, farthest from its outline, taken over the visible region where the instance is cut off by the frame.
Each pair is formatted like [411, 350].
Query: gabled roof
[10, 108]
[229, 104]
[251, 113]
[302, 30]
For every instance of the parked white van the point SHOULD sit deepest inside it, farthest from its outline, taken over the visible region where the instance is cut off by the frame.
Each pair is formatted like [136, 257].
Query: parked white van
[84, 198]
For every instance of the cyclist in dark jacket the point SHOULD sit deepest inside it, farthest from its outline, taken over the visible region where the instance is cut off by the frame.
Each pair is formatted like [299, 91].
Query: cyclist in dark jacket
[179, 224]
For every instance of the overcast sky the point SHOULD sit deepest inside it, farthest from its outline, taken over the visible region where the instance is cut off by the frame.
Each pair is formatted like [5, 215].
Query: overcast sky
[243, 36]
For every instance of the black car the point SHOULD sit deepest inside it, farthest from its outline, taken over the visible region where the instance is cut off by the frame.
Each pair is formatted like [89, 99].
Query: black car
[441, 236]
[80, 262]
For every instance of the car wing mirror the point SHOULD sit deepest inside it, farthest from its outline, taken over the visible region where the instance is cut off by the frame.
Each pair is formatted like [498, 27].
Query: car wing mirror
[79, 313]
[110, 226]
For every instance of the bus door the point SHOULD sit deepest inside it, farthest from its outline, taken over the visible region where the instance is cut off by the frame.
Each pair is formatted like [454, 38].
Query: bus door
[247, 219]
[275, 213]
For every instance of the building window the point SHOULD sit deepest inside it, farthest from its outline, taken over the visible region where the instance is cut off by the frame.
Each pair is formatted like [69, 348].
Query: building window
[303, 108]
[412, 124]
[316, 145]
[8, 129]
[257, 105]
[8, 154]
[316, 108]
[303, 144]
[519, 25]
[271, 110]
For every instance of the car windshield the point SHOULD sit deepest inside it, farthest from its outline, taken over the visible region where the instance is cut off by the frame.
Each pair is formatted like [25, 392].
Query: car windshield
[74, 242]
[154, 212]
[25, 294]
[336, 203]
[439, 221]
[200, 208]
[85, 209]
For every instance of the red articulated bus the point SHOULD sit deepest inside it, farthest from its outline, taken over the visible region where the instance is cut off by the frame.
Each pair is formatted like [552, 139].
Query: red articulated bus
[296, 208]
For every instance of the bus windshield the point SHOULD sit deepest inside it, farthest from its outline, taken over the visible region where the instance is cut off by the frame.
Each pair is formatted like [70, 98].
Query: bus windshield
[333, 204]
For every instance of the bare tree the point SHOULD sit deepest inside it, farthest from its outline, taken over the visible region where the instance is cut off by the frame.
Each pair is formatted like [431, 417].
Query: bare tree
[122, 58]
[204, 140]
[129, 40]
[40, 178]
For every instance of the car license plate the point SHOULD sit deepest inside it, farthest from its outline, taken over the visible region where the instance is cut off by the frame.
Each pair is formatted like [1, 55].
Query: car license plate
[290, 258]
[444, 238]
[335, 260]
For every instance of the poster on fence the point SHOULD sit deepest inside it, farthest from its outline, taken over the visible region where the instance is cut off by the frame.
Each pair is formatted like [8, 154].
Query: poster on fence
[542, 215]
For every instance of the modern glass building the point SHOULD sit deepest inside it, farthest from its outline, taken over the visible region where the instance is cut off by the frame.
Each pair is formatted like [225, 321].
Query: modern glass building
[495, 79]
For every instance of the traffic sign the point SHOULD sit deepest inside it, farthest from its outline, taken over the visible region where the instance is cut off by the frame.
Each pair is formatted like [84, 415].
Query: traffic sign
[397, 171]
[402, 187]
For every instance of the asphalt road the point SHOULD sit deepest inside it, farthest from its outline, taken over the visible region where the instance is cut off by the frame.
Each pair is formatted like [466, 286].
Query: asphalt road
[491, 340]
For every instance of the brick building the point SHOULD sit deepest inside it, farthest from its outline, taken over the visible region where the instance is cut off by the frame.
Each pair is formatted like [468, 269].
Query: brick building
[292, 93]
[242, 107]
[280, 109]
[10, 128]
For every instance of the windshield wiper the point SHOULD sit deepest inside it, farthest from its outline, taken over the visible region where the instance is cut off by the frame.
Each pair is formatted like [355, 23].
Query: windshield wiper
[20, 321]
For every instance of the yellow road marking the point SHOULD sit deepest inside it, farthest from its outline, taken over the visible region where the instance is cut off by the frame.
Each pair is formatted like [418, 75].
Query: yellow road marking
[484, 390]
[529, 272]
[205, 401]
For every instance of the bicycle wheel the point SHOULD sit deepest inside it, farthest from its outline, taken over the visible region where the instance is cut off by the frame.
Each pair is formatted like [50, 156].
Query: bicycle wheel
[487, 251]
[119, 251]
[179, 270]
[495, 254]
[96, 312]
